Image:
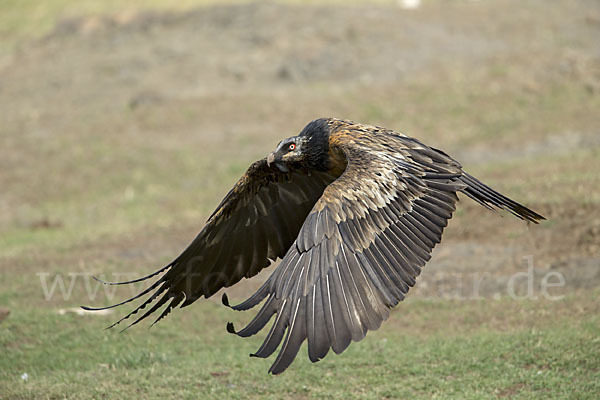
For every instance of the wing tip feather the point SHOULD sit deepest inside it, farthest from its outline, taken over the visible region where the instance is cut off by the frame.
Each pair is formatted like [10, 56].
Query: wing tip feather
[231, 328]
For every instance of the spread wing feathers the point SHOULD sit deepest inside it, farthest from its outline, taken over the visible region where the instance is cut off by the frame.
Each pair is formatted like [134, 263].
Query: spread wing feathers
[255, 223]
[359, 250]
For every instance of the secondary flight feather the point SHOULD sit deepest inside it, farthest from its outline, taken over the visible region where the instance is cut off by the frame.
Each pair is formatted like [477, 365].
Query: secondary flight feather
[353, 211]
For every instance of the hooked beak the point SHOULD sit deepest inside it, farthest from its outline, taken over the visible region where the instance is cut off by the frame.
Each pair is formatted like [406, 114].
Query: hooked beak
[280, 165]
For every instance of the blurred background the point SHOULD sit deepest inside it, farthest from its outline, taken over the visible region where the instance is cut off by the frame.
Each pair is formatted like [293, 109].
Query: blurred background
[122, 125]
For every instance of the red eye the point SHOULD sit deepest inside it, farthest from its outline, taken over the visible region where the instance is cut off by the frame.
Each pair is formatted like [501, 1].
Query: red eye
[292, 146]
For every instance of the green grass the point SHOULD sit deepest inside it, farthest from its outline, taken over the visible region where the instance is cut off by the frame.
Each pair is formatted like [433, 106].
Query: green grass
[26, 19]
[30, 18]
[191, 356]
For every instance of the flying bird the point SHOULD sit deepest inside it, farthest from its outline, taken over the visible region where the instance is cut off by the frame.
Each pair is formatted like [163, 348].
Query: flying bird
[352, 210]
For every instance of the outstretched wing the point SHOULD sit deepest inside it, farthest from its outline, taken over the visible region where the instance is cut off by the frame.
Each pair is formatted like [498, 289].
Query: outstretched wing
[255, 223]
[360, 248]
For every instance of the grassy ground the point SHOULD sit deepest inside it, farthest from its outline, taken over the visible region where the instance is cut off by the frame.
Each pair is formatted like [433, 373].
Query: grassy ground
[422, 353]
[123, 127]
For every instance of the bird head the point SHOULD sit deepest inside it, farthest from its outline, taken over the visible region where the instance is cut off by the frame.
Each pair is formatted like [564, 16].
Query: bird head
[288, 151]
[309, 149]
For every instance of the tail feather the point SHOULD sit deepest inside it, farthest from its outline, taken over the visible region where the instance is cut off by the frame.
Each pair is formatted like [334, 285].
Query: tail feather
[491, 199]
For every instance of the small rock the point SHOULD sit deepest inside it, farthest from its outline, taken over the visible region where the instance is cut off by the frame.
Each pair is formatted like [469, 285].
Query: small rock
[4, 313]
[45, 223]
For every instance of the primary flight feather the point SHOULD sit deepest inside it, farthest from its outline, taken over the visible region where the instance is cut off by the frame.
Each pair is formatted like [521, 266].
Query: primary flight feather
[352, 210]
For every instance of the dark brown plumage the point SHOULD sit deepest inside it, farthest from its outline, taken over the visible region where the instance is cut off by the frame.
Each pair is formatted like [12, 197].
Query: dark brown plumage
[352, 210]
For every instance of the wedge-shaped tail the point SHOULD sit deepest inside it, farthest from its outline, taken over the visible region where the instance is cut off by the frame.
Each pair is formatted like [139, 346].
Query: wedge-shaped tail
[491, 199]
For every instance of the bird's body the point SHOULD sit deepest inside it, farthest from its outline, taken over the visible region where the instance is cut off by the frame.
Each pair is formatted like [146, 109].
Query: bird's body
[352, 210]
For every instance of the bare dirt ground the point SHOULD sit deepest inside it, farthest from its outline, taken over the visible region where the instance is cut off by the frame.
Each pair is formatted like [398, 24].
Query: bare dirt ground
[120, 133]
